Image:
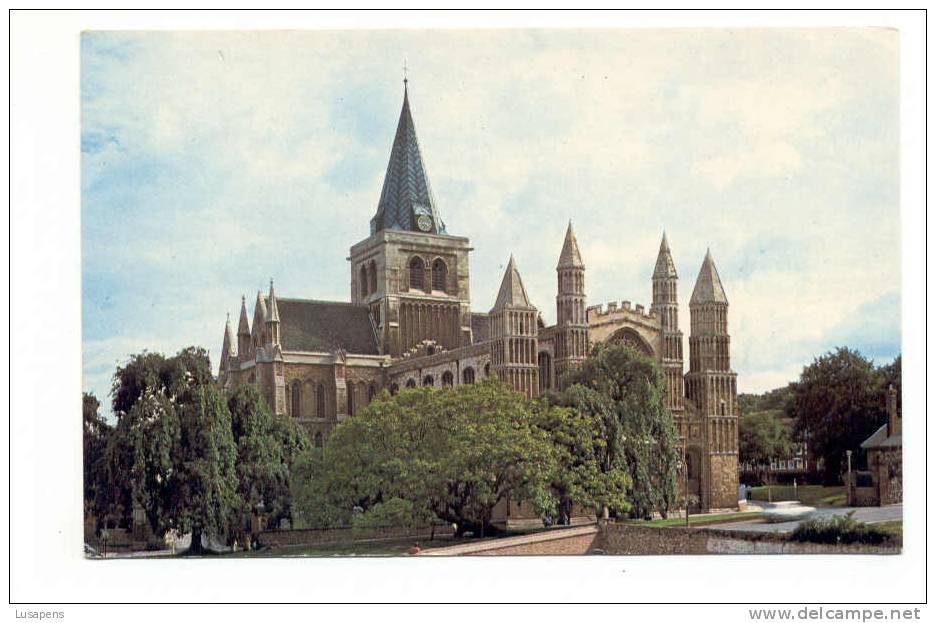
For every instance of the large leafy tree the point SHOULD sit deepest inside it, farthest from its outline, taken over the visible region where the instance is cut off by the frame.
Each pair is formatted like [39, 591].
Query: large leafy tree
[267, 446]
[590, 471]
[171, 452]
[762, 436]
[96, 433]
[837, 403]
[204, 488]
[624, 391]
[453, 453]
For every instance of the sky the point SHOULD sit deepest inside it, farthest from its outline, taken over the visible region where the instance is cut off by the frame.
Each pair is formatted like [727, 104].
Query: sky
[214, 161]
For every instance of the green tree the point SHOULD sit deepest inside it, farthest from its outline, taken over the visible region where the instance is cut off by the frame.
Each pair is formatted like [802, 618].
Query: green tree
[627, 396]
[837, 404]
[205, 487]
[762, 436]
[589, 471]
[454, 453]
[95, 436]
[171, 451]
[267, 446]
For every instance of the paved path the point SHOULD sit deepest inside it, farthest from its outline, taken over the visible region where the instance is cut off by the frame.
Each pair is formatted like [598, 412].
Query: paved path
[867, 514]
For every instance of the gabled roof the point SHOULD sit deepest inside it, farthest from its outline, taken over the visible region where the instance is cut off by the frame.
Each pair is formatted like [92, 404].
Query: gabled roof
[570, 256]
[880, 439]
[708, 286]
[325, 326]
[406, 191]
[512, 293]
[665, 268]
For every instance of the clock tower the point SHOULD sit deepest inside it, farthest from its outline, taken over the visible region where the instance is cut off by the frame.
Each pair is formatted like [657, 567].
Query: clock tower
[410, 272]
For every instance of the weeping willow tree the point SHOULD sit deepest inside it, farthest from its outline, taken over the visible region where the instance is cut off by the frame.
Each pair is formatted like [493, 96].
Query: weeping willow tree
[625, 393]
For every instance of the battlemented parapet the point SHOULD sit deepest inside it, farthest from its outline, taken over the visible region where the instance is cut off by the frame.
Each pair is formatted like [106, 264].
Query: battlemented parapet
[627, 322]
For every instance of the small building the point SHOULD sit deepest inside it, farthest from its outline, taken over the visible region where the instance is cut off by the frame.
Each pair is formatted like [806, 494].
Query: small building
[885, 462]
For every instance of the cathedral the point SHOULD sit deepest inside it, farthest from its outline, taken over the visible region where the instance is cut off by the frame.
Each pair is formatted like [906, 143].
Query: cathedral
[409, 323]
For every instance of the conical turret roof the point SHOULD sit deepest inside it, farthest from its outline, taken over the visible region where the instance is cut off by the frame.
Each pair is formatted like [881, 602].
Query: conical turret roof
[273, 309]
[243, 327]
[708, 286]
[229, 346]
[665, 268]
[570, 256]
[512, 293]
[407, 195]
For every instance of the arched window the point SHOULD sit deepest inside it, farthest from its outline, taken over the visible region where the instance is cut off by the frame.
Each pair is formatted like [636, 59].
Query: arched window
[371, 392]
[319, 440]
[394, 389]
[252, 379]
[439, 271]
[447, 379]
[350, 398]
[411, 383]
[416, 274]
[320, 401]
[296, 400]
[428, 381]
[372, 277]
[487, 369]
[468, 376]
[363, 281]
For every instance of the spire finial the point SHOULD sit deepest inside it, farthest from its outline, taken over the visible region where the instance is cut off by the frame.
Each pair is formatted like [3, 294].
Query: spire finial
[405, 79]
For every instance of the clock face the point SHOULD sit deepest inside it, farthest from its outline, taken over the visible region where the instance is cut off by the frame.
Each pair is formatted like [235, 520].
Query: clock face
[424, 223]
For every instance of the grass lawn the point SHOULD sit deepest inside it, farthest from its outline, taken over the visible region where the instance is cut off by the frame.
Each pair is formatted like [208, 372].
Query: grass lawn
[694, 520]
[893, 527]
[810, 495]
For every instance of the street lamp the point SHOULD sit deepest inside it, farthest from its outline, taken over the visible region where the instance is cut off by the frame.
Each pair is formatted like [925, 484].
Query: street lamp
[848, 485]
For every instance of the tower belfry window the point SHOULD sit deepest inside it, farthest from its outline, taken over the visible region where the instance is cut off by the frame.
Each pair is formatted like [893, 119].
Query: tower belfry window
[439, 271]
[416, 274]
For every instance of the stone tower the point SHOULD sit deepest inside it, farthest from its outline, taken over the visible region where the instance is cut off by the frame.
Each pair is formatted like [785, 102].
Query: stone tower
[572, 334]
[666, 306]
[711, 386]
[513, 334]
[410, 272]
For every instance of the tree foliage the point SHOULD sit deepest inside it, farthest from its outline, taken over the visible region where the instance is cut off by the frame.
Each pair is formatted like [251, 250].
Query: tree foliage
[838, 402]
[762, 437]
[624, 393]
[95, 436]
[267, 445]
[191, 458]
[453, 453]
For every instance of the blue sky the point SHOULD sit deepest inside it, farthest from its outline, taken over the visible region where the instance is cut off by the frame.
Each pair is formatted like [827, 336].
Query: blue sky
[213, 161]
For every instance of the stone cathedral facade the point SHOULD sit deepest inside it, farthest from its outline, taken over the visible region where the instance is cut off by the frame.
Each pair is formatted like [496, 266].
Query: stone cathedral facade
[409, 323]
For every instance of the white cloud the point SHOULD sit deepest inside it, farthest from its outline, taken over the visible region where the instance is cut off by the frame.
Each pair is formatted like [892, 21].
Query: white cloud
[216, 160]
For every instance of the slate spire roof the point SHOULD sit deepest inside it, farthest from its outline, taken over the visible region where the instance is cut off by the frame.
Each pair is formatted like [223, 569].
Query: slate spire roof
[406, 193]
[229, 347]
[665, 268]
[708, 286]
[243, 327]
[570, 256]
[512, 293]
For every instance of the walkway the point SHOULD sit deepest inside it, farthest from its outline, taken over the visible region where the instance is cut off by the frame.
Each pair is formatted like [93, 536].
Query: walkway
[866, 514]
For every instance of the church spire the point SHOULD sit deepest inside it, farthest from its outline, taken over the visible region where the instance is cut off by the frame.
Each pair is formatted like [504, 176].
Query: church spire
[708, 286]
[273, 309]
[406, 201]
[570, 257]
